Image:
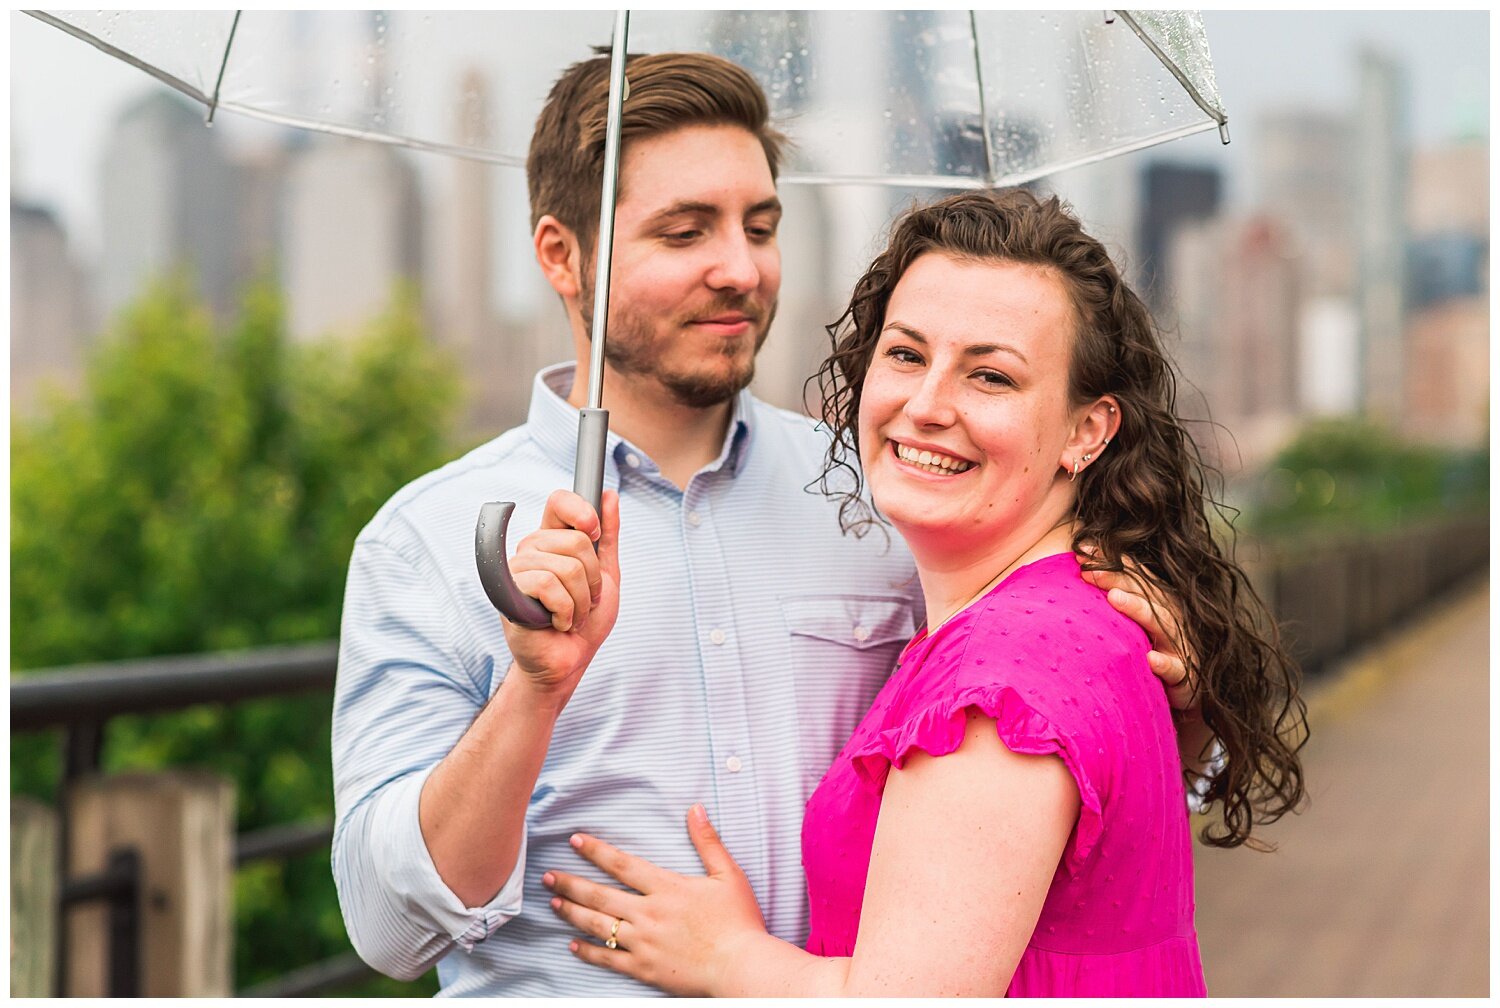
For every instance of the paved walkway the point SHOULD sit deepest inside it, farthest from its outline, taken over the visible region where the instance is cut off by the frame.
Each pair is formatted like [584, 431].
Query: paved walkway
[1381, 886]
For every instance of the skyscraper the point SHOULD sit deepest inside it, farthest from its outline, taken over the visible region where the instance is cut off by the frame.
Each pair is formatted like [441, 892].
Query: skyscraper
[49, 306]
[1446, 395]
[166, 200]
[1239, 296]
[351, 214]
[1381, 166]
[351, 226]
[462, 275]
[1446, 367]
[1450, 189]
[1449, 222]
[1172, 196]
[1304, 171]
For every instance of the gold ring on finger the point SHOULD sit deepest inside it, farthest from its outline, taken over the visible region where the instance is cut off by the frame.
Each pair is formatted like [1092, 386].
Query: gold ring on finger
[614, 934]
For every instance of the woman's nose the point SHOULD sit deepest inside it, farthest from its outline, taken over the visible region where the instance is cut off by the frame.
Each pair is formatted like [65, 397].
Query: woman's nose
[931, 404]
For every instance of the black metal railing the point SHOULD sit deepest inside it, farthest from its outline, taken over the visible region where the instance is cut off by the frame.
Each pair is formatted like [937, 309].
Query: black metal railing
[118, 887]
[1330, 598]
[80, 699]
[1334, 594]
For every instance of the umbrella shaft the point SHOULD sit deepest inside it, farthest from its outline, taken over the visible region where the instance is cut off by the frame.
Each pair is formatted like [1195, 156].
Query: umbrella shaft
[606, 235]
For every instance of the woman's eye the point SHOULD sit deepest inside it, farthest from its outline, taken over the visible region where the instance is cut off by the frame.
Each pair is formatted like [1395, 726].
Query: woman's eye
[904, 355]
[995, 379]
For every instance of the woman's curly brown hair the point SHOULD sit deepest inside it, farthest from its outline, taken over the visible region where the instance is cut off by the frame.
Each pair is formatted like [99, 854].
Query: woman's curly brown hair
[1146, 497]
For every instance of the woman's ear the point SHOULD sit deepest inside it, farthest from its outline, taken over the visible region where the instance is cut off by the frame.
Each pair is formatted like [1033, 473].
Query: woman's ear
[1095, 426]
[559, 256]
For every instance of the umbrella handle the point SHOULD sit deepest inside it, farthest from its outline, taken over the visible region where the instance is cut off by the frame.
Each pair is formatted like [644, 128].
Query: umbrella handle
[494, 518]
[494, 572]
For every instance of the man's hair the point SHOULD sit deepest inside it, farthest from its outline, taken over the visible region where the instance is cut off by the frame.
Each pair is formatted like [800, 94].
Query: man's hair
[666, 91]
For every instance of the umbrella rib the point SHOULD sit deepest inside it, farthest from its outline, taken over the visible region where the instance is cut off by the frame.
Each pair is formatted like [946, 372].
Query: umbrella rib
[905, 181]
[1104, 155]
[1215, 114]
[391, 139]
[984, 115]
[176, 83]
[223, 65]
[954, 182]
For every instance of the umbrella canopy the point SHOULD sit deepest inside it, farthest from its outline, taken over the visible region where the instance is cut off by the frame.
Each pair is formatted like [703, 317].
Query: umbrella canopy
[907, 98]
[946, 99]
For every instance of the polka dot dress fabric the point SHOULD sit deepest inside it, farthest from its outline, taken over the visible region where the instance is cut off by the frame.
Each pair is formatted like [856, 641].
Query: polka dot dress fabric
[1060, 672]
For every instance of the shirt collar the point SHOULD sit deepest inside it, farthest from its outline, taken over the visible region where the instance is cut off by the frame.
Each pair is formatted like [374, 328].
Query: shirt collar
[740, 434]
[553, 424]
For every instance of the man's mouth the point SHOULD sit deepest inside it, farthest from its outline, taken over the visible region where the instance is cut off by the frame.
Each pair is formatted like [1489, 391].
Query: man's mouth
[931, 461]
[729, 323]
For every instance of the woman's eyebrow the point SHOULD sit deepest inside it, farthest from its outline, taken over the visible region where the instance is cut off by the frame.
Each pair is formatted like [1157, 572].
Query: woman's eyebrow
[972, 350]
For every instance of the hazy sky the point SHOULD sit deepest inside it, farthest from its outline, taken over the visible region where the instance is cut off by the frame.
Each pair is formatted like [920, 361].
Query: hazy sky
[64, 93]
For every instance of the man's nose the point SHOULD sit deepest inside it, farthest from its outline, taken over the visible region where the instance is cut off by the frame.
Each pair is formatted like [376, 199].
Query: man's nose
[735, 268]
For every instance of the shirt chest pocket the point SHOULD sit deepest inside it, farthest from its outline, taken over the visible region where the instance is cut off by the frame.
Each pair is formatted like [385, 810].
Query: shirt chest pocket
[841, 650]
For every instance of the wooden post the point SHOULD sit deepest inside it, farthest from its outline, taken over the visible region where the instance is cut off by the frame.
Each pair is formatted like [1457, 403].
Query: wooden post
[181, 824]
[33, 898]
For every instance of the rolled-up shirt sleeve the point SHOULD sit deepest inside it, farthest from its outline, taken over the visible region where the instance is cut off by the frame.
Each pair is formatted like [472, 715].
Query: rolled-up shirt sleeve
[400, 914]
[402, 700]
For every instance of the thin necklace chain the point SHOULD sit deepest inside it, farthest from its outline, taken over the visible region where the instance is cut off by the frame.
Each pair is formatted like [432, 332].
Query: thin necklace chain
[1015, 564]
[977, 595]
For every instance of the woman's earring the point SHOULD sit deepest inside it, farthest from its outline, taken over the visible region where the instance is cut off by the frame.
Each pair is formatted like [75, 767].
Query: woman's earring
[1075, 471]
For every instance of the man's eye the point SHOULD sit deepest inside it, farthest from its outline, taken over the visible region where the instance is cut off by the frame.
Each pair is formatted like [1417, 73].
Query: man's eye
[683, 236]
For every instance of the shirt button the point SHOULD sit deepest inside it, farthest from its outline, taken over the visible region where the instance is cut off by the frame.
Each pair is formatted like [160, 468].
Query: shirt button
[733, 764]
[718, 636]
[861, 633]
[633, 460]
[693, 518]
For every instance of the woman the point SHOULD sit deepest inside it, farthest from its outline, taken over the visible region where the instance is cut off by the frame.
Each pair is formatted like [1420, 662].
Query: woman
[1009, 817]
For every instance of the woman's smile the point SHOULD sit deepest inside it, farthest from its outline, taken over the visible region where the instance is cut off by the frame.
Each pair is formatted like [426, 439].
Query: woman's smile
[930, 460]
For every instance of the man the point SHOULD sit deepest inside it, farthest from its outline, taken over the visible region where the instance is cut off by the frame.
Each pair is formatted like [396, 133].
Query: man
[751, 634]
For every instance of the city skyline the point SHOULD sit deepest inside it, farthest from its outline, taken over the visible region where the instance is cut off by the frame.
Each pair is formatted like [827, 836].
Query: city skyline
[64, 94]
[1312, 268]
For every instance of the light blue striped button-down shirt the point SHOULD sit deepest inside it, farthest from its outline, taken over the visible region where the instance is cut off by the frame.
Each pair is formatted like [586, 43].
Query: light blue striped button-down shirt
[752, 636]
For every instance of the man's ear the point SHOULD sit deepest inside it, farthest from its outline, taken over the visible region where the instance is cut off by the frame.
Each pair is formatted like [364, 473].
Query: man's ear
[559, 256]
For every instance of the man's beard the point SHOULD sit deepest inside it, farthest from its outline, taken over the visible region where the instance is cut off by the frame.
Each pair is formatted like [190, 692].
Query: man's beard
[632, 347]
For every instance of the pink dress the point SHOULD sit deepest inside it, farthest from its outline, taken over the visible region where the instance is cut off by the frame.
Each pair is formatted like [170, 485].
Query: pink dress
[1045, 655]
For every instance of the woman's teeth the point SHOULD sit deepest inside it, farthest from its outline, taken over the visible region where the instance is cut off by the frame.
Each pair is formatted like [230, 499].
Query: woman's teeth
[931, 461]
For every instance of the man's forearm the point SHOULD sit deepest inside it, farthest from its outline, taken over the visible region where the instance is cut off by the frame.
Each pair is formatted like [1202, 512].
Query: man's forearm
[473, 806]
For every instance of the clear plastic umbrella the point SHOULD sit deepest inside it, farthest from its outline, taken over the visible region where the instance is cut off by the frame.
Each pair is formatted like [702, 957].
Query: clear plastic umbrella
[929, 99]
[911, 98]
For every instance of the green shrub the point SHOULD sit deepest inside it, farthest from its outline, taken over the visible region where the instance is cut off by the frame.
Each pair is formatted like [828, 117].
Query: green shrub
[202, 494]
[1347, 475]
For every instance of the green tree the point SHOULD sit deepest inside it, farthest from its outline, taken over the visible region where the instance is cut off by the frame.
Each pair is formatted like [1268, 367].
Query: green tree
[203, 493]
[1348, 475]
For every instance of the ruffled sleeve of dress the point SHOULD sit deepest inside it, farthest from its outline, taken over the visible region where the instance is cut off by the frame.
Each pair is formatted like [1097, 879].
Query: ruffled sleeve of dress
[1009, 667]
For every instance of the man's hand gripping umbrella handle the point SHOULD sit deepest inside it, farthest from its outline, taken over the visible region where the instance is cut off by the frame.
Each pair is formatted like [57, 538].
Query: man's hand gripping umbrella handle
[489, 534]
